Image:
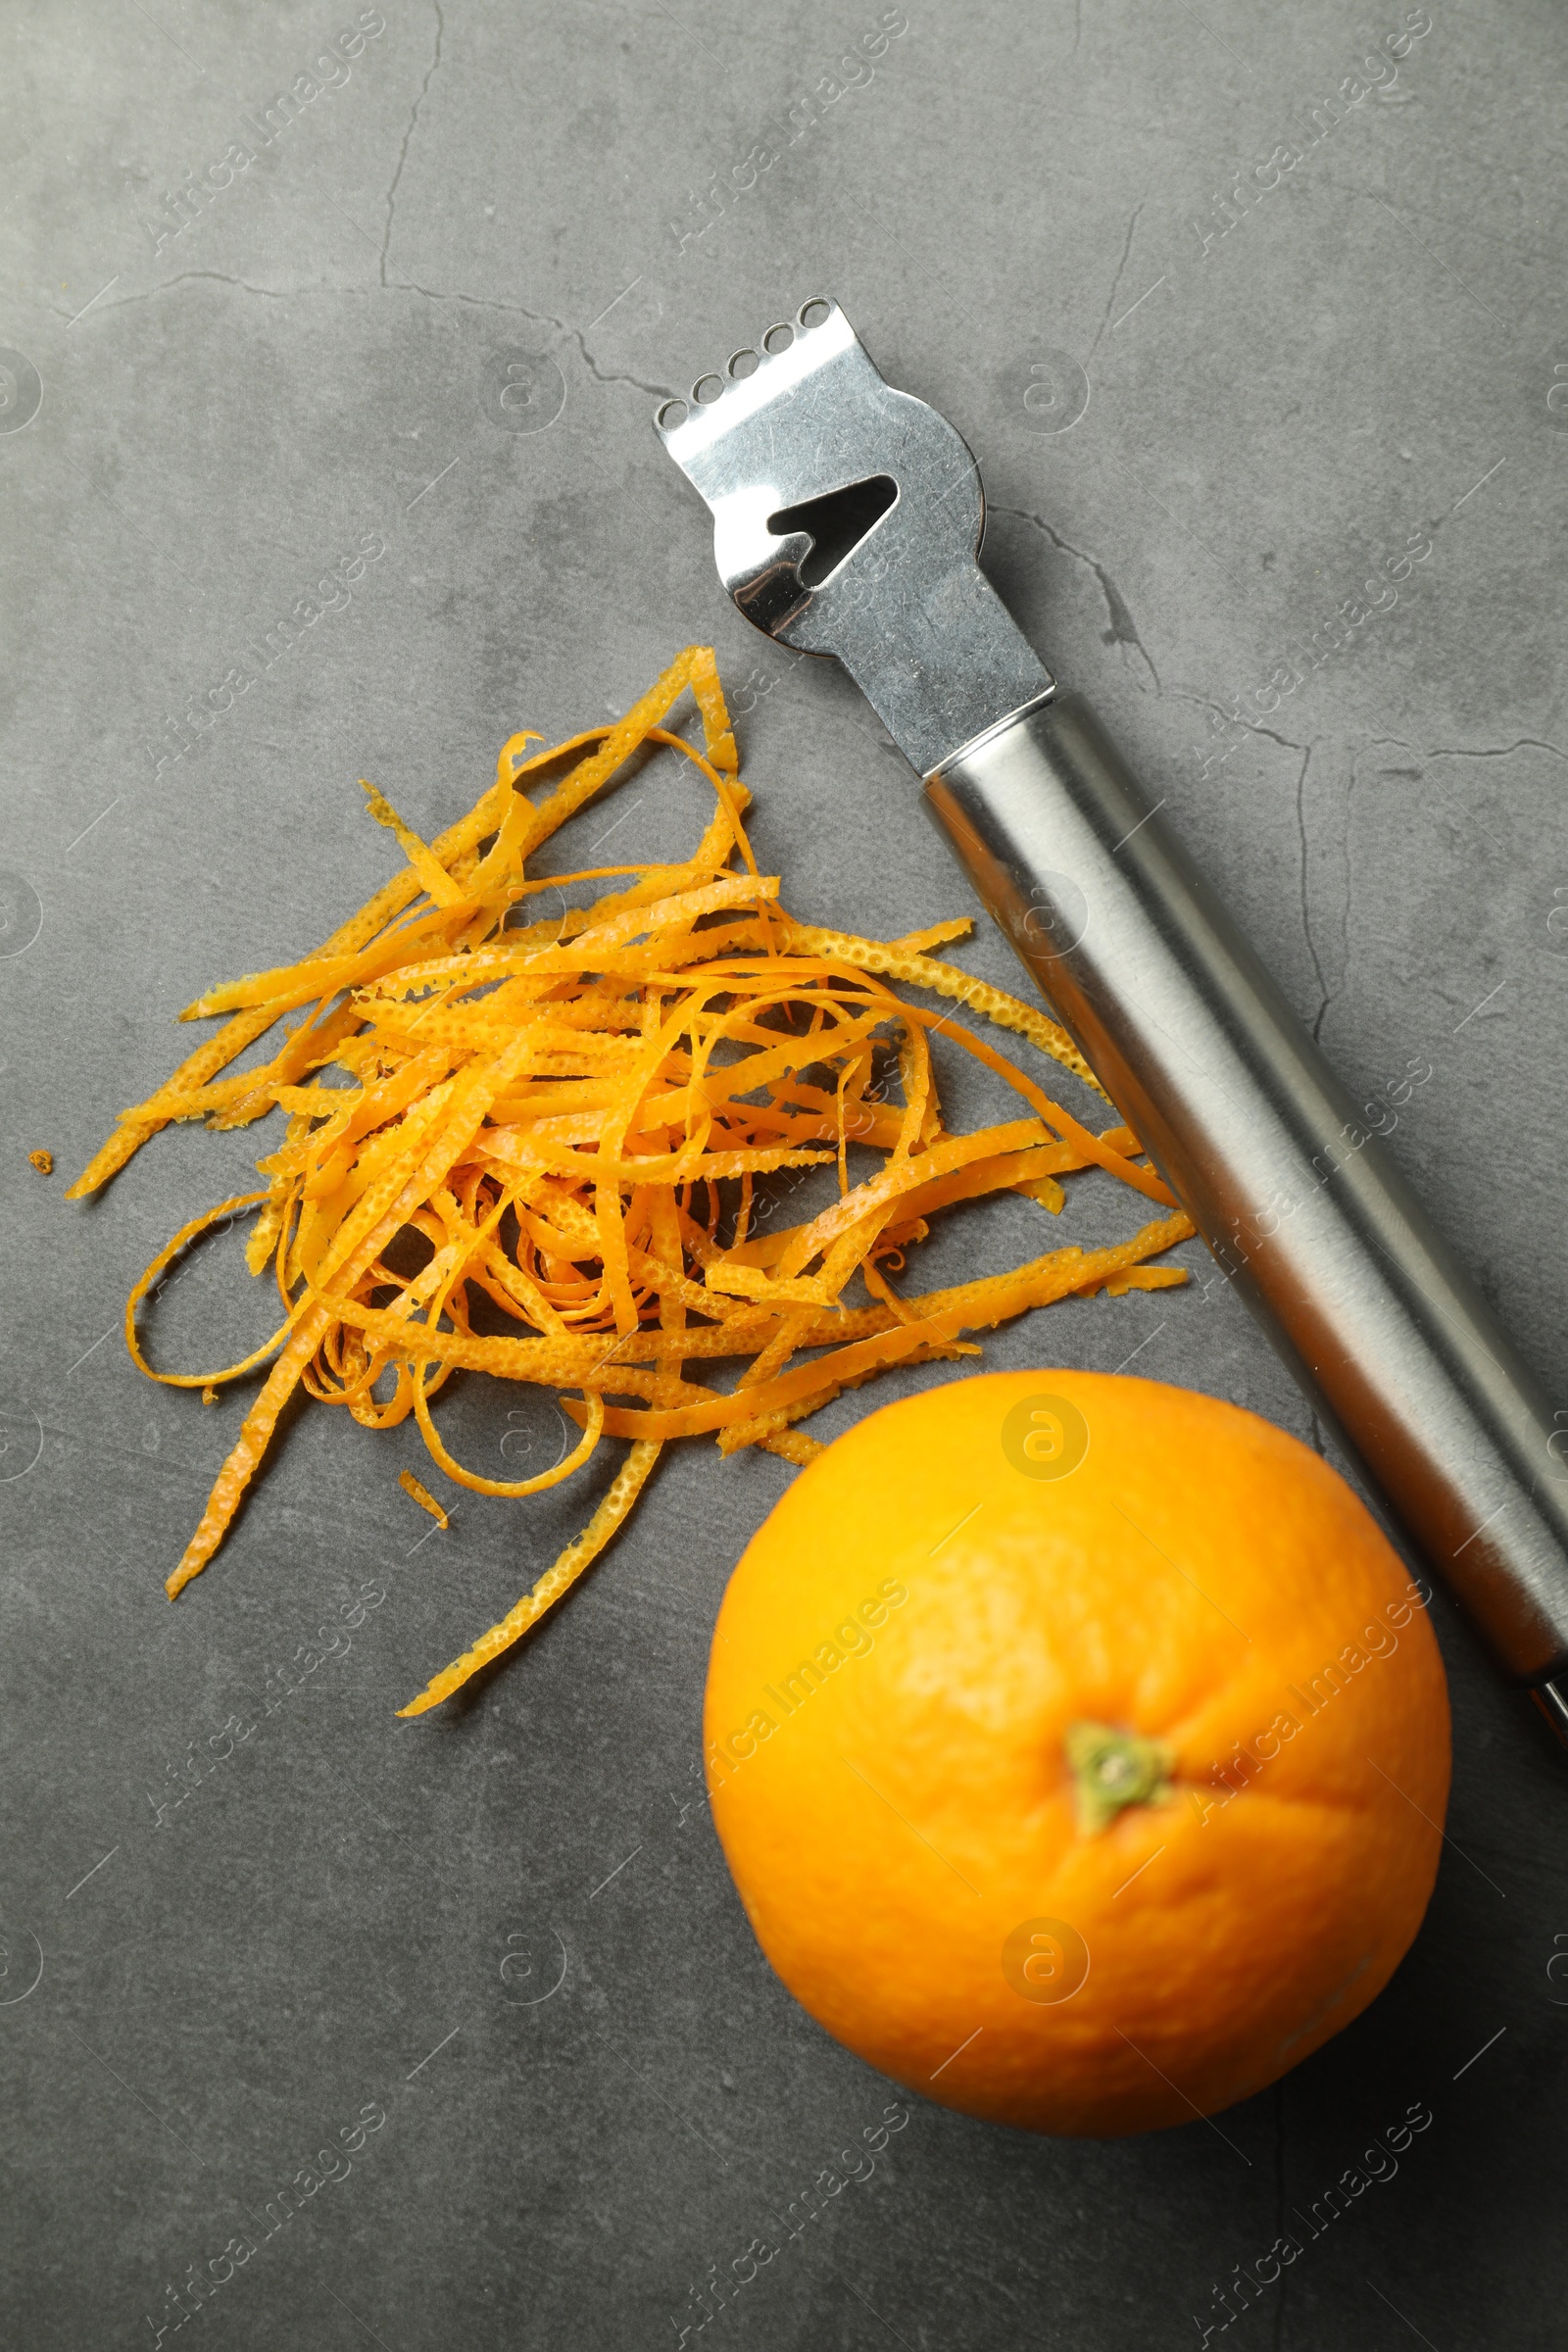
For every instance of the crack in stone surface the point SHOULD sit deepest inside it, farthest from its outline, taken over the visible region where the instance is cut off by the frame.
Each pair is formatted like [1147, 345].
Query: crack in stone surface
[1398, 743]
[1123, 630]
[519, 309]
[1325, 993]
[1284, 741]
[409, 285]
[657, 391]
[1250, 726]
[1465, 752]
[403, 152]
[1122, 271]
[220, 277]
[1503, 752]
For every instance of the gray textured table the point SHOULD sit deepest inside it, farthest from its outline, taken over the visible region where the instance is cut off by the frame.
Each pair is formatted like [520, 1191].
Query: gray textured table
[1224, 359]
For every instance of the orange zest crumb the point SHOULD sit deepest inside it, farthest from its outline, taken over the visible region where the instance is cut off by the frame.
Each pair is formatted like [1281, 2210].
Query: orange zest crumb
[422, 1497]
[43, 1162]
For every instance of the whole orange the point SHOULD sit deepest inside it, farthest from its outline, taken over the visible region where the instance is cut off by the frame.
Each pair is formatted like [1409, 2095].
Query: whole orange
[1079, 1747]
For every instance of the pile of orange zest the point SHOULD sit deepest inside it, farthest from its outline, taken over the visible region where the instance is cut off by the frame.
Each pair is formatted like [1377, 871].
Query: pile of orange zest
[576, 1119]
[417, 1487]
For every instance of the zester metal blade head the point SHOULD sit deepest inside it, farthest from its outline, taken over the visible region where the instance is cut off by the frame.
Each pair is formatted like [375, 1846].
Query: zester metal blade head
[847, 520]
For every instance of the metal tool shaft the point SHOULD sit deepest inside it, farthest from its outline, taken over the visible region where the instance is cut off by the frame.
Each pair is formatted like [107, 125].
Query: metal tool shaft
[1188, 1033]
[1263, 1146]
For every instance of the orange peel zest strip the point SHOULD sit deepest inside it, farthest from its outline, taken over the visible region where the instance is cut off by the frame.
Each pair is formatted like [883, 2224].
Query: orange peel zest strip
[145, 1282]
[423, 1496]
[627, 1485]
[431, 872]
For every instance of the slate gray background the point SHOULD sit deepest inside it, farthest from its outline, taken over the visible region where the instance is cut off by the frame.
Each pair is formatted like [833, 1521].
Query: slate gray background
[1367, 355]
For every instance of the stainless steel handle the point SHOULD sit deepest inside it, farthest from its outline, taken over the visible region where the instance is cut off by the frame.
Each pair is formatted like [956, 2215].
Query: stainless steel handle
[1262, 1146]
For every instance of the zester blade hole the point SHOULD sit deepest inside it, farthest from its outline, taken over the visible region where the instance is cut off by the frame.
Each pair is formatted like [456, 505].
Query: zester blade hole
[836, 523]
